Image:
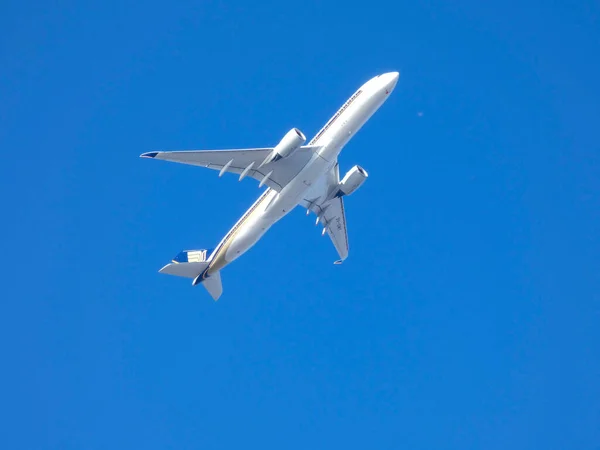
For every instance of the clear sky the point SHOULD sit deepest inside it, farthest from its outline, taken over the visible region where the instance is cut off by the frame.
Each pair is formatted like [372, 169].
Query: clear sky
[467, 315]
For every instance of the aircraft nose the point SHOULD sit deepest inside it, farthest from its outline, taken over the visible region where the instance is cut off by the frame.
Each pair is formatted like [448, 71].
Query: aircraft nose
[390, 79]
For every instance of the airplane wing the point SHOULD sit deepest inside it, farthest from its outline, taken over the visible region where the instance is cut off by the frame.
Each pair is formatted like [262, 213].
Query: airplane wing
[330, 211]
[246, 162]
[335, 220]
[333, 217]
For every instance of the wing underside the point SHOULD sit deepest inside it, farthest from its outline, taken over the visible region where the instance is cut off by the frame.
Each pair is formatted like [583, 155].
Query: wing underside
[332, 216]
[244, 162]
[335, 218]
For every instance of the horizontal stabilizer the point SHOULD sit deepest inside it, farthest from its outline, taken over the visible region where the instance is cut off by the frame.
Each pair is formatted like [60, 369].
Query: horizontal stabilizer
[187, 270]
[213, 285]
[193, 264]
[188, 263]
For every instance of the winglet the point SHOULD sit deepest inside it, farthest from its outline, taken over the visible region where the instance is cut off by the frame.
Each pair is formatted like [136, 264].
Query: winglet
[339, 261]
[149, 155]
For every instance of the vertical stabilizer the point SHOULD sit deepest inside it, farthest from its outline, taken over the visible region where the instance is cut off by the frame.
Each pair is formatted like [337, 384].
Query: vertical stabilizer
[213, 285]
[194, 264]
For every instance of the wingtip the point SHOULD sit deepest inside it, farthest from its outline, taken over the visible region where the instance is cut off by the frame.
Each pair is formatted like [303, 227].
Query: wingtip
[149, 155]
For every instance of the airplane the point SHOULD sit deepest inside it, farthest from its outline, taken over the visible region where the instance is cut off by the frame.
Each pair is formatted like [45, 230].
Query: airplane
[294, 173]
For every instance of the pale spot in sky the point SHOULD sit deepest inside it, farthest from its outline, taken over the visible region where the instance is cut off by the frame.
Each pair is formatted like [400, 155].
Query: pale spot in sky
[420, 114]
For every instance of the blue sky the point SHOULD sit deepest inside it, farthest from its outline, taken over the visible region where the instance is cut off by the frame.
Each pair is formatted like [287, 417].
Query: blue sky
[467, 314]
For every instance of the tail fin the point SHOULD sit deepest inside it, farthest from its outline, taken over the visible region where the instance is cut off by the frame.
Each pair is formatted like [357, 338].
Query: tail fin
[188, 263]
[192, 263]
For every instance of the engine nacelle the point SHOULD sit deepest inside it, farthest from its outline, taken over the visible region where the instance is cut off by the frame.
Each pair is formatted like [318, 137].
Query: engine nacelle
[352, 181]
[292, 141]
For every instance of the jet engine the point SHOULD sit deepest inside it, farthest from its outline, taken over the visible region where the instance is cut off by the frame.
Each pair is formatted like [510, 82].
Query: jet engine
[352, 181]
[291, 142]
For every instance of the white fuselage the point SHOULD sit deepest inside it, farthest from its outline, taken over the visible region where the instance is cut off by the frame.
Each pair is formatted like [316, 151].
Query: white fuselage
[272, 205]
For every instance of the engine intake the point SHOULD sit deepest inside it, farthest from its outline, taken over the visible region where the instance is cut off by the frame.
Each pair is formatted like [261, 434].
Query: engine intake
[292, 141]
[352, 181]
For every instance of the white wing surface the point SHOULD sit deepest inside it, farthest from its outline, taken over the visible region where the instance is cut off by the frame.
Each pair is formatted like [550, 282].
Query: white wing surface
[330, 211]
[335, 220]
[333, 217]
[245, 162]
